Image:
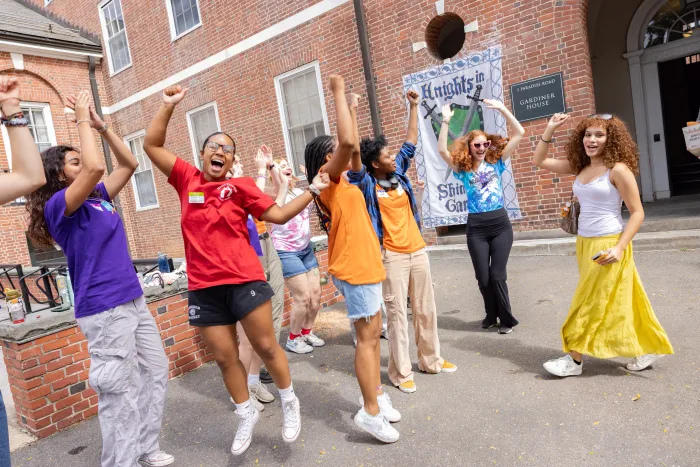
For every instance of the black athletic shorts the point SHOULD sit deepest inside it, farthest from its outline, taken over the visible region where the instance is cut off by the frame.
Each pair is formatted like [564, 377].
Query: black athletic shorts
[226, 304]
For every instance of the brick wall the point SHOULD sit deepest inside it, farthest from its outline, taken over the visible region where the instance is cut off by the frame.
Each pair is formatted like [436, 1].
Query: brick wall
[49, 376]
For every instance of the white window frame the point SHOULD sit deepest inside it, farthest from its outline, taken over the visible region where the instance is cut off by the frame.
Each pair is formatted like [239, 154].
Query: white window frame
[105, 37]
[196, 150]
[171, 19]
[139, 208]
[46, 110]
[283, 116]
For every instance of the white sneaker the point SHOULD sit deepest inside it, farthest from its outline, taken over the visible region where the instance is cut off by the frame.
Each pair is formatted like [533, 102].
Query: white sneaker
[386, 408]
[254, 401]
[564, 366]
[292, 420]
[244, 433]
[643, 362]
[313, 340]
[157, 459]
[377, 426]
[298, 345]
[261, 393]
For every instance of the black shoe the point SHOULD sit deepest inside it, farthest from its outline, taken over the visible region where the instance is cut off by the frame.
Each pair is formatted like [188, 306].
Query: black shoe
[265, 376]
[505, 330]
[487, 324]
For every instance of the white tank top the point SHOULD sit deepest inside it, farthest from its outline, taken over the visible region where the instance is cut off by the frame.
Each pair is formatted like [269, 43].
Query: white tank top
[601, 207]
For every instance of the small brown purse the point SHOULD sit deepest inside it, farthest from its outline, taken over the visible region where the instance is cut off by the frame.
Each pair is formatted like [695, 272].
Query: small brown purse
[569, 216]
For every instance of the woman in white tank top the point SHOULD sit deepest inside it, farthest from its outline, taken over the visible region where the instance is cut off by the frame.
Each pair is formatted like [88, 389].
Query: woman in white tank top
[610, 314]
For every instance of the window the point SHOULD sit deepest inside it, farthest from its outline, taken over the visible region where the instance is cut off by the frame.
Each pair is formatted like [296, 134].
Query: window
[40, 125]
[676, 19]
[114, 32]
[302, 110]
[143, 182]
[202, 122]
[184, 16]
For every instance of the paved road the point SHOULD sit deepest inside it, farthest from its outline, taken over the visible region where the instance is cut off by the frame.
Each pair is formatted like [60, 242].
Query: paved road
[500, 408]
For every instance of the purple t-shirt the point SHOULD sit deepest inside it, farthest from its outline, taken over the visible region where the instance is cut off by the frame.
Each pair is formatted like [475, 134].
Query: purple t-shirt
[94, 242]
[253, 235]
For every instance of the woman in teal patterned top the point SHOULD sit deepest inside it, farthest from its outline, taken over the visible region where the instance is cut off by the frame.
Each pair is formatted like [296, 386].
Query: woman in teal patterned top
[478, 161]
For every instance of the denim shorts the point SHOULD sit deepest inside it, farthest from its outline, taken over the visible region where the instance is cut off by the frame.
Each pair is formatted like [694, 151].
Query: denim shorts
[297, 262]
[362, 301]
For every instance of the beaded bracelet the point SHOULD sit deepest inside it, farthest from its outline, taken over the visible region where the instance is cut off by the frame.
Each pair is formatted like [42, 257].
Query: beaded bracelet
[16, 119]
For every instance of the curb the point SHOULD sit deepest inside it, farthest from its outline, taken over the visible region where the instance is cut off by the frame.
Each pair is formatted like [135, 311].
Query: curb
[649, 241]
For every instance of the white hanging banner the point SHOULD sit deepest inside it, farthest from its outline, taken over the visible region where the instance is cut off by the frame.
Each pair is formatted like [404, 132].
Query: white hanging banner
[476, 75]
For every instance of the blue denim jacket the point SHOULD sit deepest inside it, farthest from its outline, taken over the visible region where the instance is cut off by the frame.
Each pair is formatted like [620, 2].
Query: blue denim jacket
[367, 184]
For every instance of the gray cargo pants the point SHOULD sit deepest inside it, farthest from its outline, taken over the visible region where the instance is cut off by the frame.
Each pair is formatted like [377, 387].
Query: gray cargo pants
[129, 372]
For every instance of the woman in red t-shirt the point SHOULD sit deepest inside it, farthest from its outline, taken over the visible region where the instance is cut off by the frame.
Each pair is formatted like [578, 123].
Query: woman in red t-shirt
[226, 281]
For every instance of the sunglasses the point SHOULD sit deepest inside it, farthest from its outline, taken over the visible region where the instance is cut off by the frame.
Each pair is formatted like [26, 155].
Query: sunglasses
[214, 146]
[486, 145]
[601, 116]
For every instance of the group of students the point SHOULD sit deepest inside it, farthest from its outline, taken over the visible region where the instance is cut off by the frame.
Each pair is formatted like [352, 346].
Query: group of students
[370, 210]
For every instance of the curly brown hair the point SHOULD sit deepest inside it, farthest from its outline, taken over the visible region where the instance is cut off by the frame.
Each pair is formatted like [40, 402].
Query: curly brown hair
[619, 147]
[53, 159]
[462, 158]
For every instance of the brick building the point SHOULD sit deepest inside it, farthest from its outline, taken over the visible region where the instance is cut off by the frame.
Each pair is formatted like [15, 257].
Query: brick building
[259, 70]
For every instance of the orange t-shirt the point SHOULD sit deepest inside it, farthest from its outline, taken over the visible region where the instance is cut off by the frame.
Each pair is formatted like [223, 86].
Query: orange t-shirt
[401, 233]
[260, 225]
[353, 247]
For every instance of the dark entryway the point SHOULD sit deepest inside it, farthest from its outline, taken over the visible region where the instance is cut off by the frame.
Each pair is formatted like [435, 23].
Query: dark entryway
[680, 98]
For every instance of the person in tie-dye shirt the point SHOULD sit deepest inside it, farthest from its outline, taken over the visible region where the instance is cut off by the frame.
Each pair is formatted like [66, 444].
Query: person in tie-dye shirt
[299, 266]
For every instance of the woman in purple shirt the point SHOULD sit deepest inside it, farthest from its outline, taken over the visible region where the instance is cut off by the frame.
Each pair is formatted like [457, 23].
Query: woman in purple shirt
[128, 367]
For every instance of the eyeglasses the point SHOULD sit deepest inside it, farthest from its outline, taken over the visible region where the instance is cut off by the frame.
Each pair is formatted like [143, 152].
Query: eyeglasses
[214, 146]
[601, 116]
[486, 145]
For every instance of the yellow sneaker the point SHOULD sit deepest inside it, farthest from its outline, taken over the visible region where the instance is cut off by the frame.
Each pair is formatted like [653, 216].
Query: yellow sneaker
[448, 367]
[407, 387]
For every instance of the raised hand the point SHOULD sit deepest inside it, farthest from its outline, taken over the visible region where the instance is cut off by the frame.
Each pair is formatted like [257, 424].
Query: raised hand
[412, 97]
[260, 161]
[421, 185]
[80, 104]
[9, 94]
[173, 95]
[284, 180]
[353, 100]
[494, 104]
[337, 83]
[447, 113]
[302, 169]
[557, 120]
[321, 181]
[267, 154]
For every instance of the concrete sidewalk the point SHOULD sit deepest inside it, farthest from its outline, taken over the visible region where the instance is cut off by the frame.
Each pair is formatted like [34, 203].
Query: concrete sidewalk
[500, 408]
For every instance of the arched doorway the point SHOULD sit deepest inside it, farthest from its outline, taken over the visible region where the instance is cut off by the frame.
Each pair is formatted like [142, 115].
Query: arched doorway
[663, 43]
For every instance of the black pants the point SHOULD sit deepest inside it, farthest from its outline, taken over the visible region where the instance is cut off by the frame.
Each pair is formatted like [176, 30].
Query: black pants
[489, 239]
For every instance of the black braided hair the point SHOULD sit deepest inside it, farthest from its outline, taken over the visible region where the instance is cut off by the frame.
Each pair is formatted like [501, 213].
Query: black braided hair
[314, 158]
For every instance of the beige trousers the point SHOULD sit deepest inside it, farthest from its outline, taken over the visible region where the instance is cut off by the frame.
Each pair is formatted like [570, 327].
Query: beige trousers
[409, 275]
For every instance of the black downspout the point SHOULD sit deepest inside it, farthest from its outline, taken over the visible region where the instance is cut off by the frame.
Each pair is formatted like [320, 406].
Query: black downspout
[367, 65]
[105, 146]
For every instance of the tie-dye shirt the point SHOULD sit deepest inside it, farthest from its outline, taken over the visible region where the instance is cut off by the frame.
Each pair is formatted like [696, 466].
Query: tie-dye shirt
[484, 188]
[295, 235]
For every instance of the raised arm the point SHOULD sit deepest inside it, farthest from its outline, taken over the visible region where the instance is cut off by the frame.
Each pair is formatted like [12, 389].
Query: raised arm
[282, 185]
[92, 164]
[518, 130]
[447, 114]
[126, 162]
[283, 214]
[263, 160]
[412, 132]
[348, 143]
[540, 158]
[356, 161]
[623, 179]
[27, 169]
[153, 143]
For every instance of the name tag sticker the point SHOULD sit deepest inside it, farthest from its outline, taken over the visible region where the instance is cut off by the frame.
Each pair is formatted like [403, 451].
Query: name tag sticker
[399, 190]
[382, 194]
[196, 197]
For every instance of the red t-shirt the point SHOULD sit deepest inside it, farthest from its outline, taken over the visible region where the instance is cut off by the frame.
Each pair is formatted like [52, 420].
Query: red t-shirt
[214, 216]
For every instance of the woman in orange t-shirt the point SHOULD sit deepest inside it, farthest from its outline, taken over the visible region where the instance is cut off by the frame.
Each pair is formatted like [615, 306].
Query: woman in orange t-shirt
[355, 260]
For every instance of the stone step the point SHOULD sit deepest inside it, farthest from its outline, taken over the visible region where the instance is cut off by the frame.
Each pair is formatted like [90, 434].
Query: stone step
[649, 225]
[645, 241]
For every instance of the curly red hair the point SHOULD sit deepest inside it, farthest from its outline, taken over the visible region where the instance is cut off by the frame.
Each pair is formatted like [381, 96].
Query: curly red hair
[619, 147]
[461, 155]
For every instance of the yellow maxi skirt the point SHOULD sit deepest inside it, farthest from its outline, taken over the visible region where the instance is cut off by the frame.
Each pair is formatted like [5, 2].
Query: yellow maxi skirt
[610, 314]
